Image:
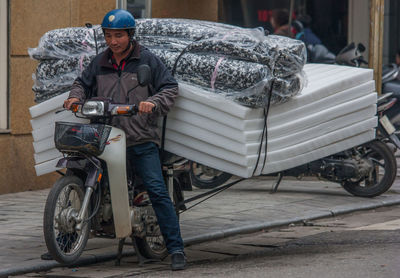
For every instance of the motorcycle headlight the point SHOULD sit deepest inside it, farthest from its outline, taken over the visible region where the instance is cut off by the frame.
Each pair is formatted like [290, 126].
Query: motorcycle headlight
[93, 108]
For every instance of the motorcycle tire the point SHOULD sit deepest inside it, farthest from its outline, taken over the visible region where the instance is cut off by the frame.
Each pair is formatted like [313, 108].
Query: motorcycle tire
[64, 243]
[383, 175]
[152, 247]
[206, 179]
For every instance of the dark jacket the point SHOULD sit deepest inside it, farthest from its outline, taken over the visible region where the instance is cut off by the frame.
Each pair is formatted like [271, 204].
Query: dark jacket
[100, 78]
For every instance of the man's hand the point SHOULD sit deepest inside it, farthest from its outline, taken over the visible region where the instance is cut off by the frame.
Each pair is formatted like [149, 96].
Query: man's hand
[68, 102]
[146, 107]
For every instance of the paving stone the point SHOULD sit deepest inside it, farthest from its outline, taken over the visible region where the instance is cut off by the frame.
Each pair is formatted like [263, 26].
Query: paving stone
[247, 204]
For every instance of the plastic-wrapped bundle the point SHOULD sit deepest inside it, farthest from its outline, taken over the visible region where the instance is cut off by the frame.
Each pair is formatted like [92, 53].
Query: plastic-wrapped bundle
[54, 77]
[286, 56]
[290, 55]
[50, 69]
[237, 62]
[188, 29]
[245, 82]
[285, 88]
[59, 84]
[67, 42]
[214, 71]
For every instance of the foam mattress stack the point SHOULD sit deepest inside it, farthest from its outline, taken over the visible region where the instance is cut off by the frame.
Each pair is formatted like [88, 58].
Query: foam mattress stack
[44, 115]
[334, 112]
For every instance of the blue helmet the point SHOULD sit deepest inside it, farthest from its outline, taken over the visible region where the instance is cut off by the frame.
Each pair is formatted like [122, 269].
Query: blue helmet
[119, 19]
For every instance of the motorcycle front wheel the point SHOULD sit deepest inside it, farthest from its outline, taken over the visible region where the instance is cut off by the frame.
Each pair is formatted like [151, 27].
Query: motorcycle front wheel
[64, 242]
[382, 172]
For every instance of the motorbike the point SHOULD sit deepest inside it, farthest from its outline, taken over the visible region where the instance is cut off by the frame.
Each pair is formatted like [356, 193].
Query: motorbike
[391, 84]
[97, 196]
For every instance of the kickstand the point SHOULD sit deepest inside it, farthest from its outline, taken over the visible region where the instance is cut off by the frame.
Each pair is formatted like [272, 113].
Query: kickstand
[276, 185]
[119, 255]
[142, 259]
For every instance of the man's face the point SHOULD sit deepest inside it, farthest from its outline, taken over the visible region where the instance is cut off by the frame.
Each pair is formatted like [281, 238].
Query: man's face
[398, 59]
[117, 40]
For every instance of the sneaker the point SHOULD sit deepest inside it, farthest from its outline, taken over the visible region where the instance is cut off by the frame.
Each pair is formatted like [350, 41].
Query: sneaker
[178, 261]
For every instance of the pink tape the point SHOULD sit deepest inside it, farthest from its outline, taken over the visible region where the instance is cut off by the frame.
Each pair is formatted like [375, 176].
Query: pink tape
[215, 73]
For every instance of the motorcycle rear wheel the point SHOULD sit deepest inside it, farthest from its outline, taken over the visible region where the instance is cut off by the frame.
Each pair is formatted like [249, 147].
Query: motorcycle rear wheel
[204, 177]
[152, 247]
[64, 242]
[383, 174]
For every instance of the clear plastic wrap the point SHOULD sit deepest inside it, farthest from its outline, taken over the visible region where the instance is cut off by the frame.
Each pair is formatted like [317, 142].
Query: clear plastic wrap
[188, 29]
[238, 63]
[50, 69]
[67, 42]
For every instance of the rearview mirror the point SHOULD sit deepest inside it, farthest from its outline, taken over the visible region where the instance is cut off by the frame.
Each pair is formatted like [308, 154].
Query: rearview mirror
[144, 75]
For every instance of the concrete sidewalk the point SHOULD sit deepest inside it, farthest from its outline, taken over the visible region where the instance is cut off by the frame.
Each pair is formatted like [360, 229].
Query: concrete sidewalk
[246, 207]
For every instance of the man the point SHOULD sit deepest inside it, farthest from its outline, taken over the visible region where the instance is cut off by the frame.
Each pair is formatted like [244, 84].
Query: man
[113, 74]
[280, 22]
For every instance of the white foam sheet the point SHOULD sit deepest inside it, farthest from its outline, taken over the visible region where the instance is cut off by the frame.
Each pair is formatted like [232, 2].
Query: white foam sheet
[49, 118]
[246, 172]
[48, 130]
[184, 133]
[210, 130]
[48, 105]
[182, 110]
[47, 167]
[273, 155]
[229, 167]
[206, 129]
[46, 155]
[280, 116]
[323, 81]
[302, 140]
[44, 144]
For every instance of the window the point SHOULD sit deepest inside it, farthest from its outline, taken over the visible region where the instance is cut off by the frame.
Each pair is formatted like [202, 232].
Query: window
[3, 66]
[138, 8]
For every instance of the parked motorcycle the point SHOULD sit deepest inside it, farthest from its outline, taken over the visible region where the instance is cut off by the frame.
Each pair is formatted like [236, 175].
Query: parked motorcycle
[97, 195]
[391, 84]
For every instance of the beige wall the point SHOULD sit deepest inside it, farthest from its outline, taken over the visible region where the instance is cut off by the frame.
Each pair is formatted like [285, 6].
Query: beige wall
[29, 20]
[195, 9]
[16, 165]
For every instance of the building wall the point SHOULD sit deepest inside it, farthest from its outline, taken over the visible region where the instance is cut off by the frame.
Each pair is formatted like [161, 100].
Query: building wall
[29, 20]
[194, 9]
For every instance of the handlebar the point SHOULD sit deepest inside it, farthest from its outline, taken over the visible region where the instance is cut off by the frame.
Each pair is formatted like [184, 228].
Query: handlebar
[102, 108]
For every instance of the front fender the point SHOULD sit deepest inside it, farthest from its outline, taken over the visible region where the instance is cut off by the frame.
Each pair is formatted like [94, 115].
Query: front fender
[91, 168]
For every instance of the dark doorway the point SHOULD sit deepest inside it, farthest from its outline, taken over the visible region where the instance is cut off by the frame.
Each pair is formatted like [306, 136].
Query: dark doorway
[329, 17]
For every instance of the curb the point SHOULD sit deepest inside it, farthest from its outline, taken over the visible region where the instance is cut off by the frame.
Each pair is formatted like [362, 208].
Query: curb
[92, 259]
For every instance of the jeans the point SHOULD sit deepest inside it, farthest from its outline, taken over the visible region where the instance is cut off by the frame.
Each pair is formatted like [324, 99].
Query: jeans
[146, 161]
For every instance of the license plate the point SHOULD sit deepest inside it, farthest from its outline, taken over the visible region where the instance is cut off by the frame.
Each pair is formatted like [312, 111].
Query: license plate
[387, 125]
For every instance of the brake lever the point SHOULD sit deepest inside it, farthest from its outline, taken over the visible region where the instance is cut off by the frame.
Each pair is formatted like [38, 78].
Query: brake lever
[61, 110]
